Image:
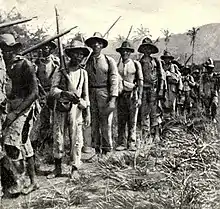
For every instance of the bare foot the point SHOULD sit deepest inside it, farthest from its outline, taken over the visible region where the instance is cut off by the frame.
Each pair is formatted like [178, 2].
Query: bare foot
[30, 188]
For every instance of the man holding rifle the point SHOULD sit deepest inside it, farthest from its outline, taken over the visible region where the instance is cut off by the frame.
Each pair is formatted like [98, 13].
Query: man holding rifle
[70, 90]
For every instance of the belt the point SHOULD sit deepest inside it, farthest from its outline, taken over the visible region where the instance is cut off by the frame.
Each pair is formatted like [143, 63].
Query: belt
[98, 87]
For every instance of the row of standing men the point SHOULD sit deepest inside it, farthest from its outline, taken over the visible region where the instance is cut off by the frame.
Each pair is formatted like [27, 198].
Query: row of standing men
[77, 96]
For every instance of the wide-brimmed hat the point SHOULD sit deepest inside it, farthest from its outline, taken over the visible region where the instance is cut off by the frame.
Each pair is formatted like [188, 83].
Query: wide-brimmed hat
[125, 46]
[147, 42]
[209, 63]
[167, 55]
[8, 40]
[76, 45]
[51, 43]
[195, 71]
[96, 37]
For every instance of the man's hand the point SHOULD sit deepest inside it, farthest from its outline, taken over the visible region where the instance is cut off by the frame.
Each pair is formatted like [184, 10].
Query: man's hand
[168, 73]
[82, 104]
[70, 96]
[138, 103]
[160, 95]
[87, 121]
[111, 104]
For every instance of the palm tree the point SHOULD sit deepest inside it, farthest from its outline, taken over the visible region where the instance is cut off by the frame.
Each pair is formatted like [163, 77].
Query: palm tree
[141, 33]
[192, 34]
[167, 35]
[120, 39]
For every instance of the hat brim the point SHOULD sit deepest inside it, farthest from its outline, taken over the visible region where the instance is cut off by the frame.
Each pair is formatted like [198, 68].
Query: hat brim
[89, 41]
[154, 49]
[125, 48]
[163, 57]
[52, 44]
[11, 46]
[83, 49]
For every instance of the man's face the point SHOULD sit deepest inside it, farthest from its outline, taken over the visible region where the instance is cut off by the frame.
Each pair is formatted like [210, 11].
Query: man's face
[7, 54]
[125, 54]
[147, 51]
[167, 60]
[46, 50]
[209, 69]
[76, 56]
[97, 46]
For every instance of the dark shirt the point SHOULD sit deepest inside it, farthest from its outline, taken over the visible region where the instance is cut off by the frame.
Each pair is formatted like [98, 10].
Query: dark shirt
[24, 83]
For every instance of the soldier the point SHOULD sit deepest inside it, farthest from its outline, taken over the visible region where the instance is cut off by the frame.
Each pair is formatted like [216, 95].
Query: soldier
[129, 100]
[20, 108]
[195, 89]
[153, 90]
[209, 90]
[46, 67]
[70, 90]
[2, 110]
[103, 86]
[185, 99]
[173, 77]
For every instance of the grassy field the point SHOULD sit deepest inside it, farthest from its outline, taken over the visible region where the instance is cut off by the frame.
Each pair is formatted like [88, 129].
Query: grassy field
[181, 172]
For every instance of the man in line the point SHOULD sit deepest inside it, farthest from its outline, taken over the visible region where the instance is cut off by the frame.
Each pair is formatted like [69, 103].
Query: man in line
[47, 64]
[20, 108]
[2, 111]
[154, 84]
[185, 99]
[209, 90]
[103, 86]
[174, 85]
[70, 90]
[129, 100]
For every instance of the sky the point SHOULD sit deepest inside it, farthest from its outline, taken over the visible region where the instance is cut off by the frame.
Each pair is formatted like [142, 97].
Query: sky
[98, 15]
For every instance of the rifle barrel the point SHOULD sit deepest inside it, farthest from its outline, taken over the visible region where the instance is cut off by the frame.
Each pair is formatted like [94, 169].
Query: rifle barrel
[16, 22]
[46, 41]
[111, 26]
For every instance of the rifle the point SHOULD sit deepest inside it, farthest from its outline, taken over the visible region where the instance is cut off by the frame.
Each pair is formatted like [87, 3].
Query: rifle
[187, 60]
[111, 26]
[16, 22]
[46, 41]
[129, 32]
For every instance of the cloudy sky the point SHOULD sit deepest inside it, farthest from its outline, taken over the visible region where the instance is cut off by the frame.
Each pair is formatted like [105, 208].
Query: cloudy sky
[97, 15]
